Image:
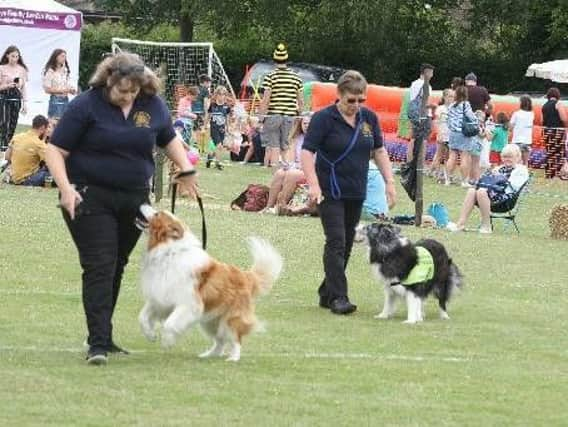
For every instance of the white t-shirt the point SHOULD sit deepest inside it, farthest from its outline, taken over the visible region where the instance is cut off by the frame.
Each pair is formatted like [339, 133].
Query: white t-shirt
[416, 87]
[522, 124]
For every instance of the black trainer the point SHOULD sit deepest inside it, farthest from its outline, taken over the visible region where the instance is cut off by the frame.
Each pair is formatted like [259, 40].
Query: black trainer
[219, 166]
[113, 348]
[96, 356]
[341, 305]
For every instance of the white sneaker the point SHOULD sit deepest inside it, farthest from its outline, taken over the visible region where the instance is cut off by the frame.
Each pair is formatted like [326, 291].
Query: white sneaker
[485, 230]
[454, 228]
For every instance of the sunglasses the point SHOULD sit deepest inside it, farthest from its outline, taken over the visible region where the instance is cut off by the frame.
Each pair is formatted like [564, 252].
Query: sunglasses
[356, 100]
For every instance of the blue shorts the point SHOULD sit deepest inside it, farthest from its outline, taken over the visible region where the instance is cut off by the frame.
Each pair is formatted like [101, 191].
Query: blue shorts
[57, 106]
[459, 142]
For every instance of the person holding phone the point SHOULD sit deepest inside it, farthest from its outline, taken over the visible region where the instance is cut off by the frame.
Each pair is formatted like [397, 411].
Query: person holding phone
[13, 77]
[340, 139]
[57, 83]
[100, 156]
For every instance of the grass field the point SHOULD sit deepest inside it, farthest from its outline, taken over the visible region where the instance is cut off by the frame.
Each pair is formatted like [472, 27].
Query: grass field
[501, 360]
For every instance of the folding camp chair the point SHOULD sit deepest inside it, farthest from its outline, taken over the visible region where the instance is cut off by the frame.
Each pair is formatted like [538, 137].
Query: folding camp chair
[510, 216]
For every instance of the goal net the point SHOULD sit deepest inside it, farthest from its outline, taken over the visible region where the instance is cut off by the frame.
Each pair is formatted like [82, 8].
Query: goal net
[178, 64]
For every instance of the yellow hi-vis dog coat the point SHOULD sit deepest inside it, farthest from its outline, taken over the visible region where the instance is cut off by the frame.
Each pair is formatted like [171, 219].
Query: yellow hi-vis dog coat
[424, 269]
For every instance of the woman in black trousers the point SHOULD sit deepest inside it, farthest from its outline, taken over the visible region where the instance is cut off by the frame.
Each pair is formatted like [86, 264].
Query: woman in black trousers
[340, 139]
[100, 156]
[554, 121]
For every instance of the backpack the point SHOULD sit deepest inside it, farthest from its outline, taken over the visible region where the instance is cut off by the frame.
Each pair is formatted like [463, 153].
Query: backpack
[253, 199]
[414, 107]
[439, 212]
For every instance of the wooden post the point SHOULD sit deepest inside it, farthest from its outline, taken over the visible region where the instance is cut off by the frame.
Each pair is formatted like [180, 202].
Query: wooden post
[419, 149]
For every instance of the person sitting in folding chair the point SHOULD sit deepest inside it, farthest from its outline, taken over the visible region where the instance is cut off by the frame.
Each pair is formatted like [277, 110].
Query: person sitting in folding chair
[496, 192]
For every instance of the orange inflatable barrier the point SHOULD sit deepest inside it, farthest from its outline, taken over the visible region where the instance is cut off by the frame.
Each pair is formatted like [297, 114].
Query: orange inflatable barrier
[390, 104]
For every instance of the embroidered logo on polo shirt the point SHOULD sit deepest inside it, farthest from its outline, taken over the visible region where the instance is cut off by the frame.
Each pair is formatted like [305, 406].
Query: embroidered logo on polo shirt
[366, 130]
[142, 119]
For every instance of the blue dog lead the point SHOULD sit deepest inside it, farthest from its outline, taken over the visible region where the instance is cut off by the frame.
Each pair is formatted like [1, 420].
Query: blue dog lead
[333, 183]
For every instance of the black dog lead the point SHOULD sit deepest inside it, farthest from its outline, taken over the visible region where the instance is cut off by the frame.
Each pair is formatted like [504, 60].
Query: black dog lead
[199, 203]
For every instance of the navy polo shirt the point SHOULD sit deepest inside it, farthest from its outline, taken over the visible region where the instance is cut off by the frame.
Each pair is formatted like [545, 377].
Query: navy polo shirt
[105, 148]
[329, 134]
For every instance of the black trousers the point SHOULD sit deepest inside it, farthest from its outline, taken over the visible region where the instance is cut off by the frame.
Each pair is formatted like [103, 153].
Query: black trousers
[10, 105]
[339, 219]
[104, 234]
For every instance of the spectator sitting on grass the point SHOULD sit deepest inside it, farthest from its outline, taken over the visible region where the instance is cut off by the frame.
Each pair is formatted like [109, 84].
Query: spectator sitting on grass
[27, 154]
[495, 199]
[290, 174]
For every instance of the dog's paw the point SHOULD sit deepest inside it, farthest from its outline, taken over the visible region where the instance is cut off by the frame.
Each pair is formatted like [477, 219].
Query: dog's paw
[381, 315]
[150, 335]
[410, 322]
[168, 339]
[444, 315]
[209, 353]
[233, 358]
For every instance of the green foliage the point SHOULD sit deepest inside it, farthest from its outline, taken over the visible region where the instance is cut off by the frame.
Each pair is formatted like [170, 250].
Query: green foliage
[386, 40]
[96, 41]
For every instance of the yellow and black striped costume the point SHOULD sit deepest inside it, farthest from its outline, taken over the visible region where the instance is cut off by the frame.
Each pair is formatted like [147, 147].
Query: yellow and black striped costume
[284, 85]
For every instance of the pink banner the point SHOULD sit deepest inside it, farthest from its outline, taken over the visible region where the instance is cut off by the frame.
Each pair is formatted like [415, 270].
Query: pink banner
[47, 20]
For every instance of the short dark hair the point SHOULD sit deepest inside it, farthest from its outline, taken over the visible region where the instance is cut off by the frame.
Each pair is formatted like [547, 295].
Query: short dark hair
[39, 121]
[457, 82]
[526, 103]
[425, 66]
[501, 118]
[204, 78]
[553, 92]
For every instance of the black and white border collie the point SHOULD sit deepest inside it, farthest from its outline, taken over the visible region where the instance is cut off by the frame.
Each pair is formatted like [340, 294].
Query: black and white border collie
[393, 257]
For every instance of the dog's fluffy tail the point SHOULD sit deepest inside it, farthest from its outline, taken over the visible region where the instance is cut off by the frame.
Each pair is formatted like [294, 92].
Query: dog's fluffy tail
[455, 279]
[267, 263]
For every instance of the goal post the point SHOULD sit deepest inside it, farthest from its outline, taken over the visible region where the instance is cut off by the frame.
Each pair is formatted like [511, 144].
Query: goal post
[178, 64]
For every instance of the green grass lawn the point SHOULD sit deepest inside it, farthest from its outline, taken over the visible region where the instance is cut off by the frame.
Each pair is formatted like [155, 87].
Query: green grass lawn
[501, 360]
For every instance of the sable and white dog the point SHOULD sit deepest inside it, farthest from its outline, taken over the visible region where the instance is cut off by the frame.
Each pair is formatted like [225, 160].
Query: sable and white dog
[182, 286]
[394, 259]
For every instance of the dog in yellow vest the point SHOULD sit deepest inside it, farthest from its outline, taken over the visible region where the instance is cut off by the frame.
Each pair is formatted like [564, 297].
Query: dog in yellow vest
[409, 270]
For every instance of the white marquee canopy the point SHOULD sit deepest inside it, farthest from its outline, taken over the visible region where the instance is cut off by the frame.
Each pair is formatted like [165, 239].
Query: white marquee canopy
[557, 71]
[37, 27]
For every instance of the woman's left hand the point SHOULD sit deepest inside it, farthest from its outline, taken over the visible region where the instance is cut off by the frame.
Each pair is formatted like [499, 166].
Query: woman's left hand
[391, 194]
[188, 184]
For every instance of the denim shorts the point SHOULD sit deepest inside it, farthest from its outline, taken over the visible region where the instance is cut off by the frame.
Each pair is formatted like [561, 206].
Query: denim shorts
[459, 142]
[476, 147]
[57, 106]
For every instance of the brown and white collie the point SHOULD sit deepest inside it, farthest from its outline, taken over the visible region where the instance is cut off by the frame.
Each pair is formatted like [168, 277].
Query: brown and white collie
[182, 286]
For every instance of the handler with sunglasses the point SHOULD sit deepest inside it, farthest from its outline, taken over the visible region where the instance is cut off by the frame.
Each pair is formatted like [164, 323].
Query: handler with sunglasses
[342, 137]
[100, 156]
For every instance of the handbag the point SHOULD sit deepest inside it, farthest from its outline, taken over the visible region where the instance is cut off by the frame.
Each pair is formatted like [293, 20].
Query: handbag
[493, 181]
[469, 128]
[408, 178]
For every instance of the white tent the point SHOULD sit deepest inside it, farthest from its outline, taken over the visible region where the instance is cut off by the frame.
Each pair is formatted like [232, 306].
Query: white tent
[557, 71]
[37, 27]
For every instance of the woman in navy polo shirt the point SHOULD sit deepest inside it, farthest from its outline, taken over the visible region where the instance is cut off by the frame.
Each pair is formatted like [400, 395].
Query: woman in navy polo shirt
[100, 156]
[342, 137]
